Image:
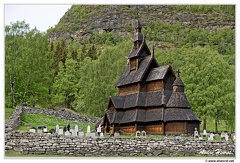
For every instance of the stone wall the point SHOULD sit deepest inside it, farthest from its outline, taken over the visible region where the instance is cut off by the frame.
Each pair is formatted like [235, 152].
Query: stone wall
[15, 120]
[66, 115]
[33, 143]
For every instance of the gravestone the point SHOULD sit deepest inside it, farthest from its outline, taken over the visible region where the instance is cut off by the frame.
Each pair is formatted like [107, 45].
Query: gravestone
[223, 136]
[81, 134]
[99, 130]
[226, 137]
[60, 131]
[216, 135]
[138, 134]
[88, 129]
[67, 133]
[39, 131]
[32, 130]
[76, 128]
[144, 134]
[233, 137]
[101, 135]
[196, 136]
[57, 129]
[204, 133]
[211, 137]
[45, 129]
[116, 135]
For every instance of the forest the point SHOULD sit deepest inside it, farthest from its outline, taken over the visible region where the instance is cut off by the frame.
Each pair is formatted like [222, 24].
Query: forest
[82, 76]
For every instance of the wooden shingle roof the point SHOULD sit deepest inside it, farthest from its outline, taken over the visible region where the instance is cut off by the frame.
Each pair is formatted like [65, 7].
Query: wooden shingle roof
[157, 73]
[179, 114]
[129, 77]
[178, 100]
[178, 82]
[141, 99]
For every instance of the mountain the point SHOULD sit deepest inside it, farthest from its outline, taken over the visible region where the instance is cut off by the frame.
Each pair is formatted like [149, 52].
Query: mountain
[82, 21]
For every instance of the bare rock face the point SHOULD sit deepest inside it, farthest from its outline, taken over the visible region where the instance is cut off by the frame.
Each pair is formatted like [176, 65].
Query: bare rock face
[121, 19]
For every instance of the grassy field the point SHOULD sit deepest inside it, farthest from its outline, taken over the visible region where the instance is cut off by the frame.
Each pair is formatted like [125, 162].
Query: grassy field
[8, 112]
[35, 120]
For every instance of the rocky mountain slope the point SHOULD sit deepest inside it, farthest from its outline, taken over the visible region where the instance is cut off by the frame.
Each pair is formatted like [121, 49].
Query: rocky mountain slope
[83, 21]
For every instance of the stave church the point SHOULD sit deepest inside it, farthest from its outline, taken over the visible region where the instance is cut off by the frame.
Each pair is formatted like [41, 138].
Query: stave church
[150, 97]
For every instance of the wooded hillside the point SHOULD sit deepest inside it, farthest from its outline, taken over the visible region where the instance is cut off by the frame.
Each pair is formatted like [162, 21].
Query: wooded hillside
[80, 71]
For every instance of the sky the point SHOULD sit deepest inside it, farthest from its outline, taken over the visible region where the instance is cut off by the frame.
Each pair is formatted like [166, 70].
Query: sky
[40, 16]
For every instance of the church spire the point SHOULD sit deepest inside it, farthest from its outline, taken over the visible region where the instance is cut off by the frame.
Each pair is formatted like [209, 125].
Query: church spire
[138, 36]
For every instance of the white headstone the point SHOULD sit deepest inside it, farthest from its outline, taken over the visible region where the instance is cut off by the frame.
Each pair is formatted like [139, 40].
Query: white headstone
[204, 133]
[99, 129]
[226, 137]
[116, 135]
[57, 128]
[45, 129]
[76, 128]
[60, 132]
[81, 134]
[138, 134]
[101, 135]
[88, 129]
[196, 136]
[39, 131]
[32, 130]
[67, 133]
[211, 136]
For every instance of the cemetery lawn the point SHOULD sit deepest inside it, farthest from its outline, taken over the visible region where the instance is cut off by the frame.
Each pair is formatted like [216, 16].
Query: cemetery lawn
[35, 120]
[8, 112]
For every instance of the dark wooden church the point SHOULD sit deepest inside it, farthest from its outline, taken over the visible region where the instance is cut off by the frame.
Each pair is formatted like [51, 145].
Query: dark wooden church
[150, 97]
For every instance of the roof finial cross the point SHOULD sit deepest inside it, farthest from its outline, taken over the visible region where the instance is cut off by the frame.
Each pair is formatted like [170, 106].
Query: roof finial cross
[178, 71]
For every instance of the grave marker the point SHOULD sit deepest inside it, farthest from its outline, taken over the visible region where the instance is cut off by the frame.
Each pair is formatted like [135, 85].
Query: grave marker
[116, 135]
[32, 130]
[60, 131]
[196, 136]
[144, 134]
[81, 134]
[204, 133]
[138, 134]
[67, 133]
[88, 129]
[57, 128]
[211, 137]
[101, 135]
[45, 129]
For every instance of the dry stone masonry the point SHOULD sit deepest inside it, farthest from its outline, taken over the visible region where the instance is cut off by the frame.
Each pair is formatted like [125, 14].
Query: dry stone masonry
[32, 143]
[23, 142]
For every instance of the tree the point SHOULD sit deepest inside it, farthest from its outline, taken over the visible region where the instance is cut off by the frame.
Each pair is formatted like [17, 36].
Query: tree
[27, 64]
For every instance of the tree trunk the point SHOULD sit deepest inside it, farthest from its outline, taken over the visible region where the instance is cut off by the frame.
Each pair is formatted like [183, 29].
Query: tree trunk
[216, 122]
[205, 123]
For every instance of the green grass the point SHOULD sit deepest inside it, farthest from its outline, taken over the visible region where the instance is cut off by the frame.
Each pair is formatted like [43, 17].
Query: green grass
[35, 120]
[8, 112]
[210, 127]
